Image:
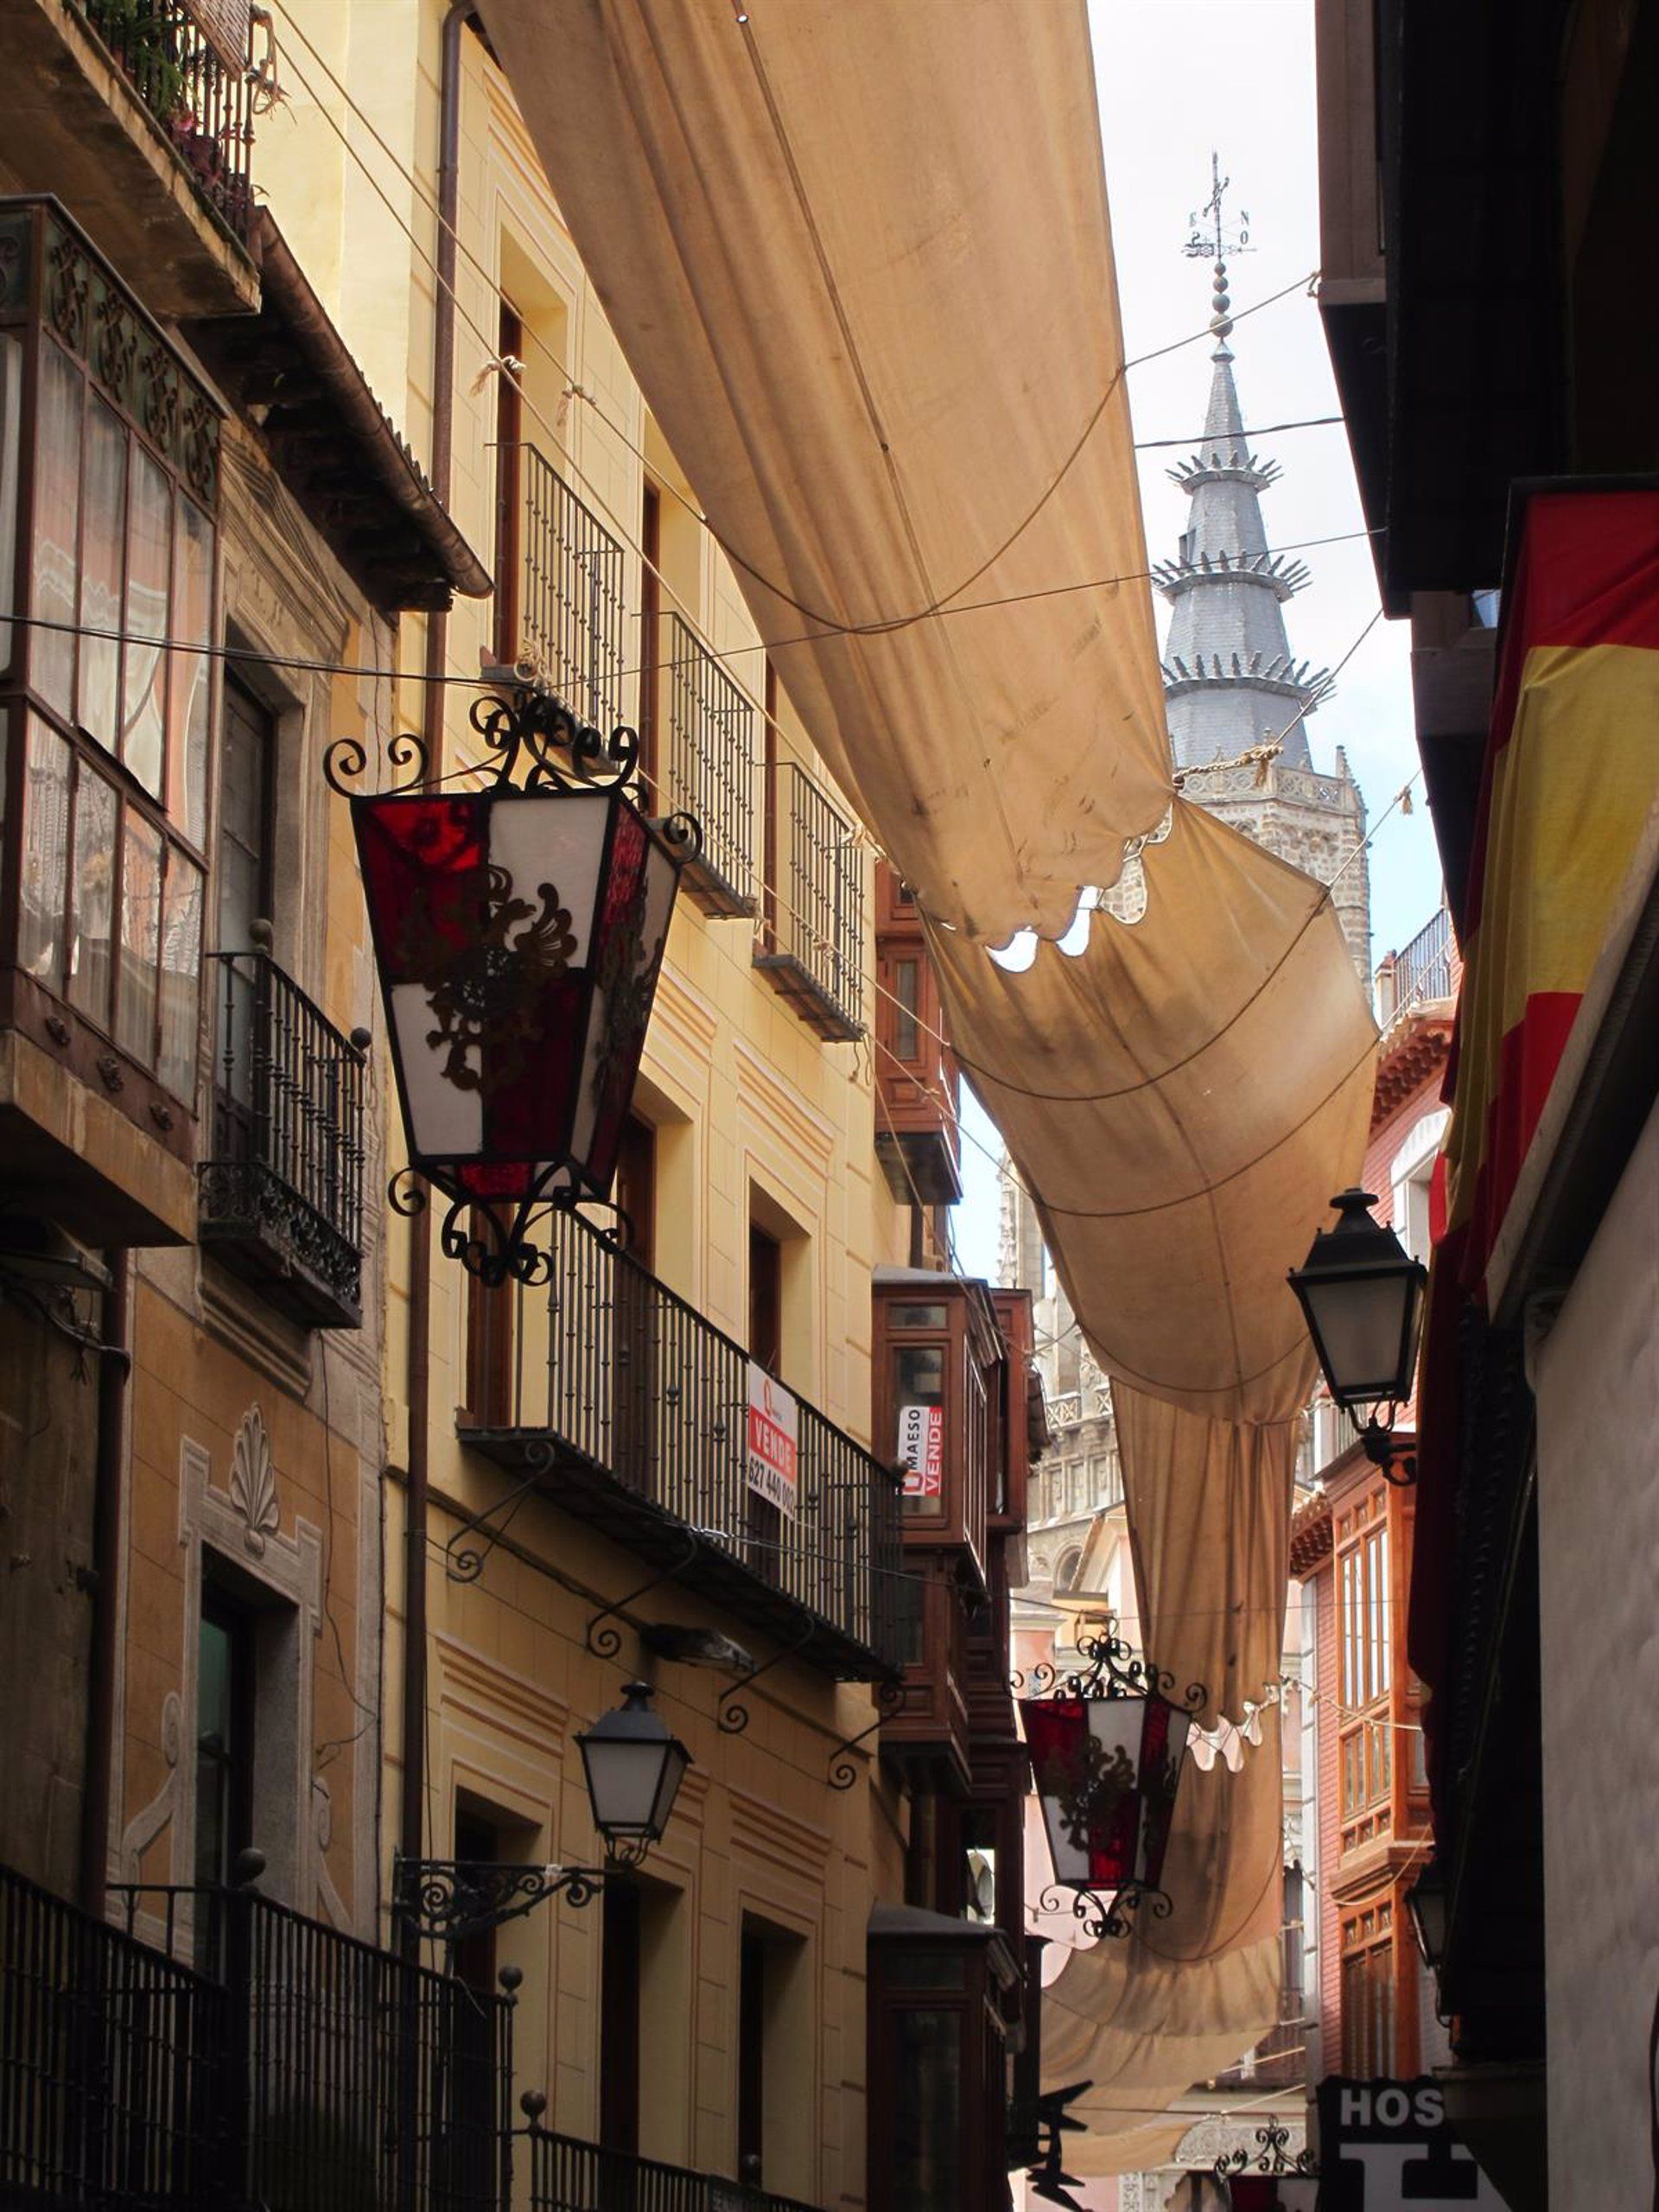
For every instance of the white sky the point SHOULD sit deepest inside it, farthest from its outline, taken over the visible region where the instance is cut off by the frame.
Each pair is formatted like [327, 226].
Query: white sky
[1177, 79]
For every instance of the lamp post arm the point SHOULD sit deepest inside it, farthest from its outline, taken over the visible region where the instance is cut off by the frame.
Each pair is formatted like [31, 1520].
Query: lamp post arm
[451, 1899]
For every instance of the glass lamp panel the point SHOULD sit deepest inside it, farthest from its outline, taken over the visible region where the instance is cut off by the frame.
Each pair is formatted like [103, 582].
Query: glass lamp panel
[1162, 1756]
[1359, 1325]
[668, 1787]
[1084, 1755]
[443, 1122]
[624, 1780]
[557, 840]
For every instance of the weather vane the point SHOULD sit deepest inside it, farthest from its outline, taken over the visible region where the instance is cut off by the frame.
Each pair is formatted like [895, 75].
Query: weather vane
[1216, 241]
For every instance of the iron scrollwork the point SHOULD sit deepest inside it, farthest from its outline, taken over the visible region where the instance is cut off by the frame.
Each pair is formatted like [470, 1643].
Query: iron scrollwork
[1110, 1669]
[889, 1703]
[1107, 1916]
[451, 1899]
[1272, 2157]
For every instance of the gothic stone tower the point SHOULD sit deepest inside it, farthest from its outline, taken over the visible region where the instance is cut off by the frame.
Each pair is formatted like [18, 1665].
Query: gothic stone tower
[1238, 700]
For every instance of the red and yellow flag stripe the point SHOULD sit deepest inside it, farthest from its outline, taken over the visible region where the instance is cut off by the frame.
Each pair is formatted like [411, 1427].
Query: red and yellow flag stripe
[1572, 770]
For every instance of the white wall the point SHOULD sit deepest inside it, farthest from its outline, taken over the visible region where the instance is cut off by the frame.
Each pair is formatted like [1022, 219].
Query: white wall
[1597, 1377]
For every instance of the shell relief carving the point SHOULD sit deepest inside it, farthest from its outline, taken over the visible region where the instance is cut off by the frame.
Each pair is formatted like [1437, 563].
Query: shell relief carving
[253, 1482]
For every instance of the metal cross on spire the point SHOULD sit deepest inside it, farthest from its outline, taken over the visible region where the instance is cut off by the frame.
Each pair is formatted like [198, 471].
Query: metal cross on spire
[1218, 240]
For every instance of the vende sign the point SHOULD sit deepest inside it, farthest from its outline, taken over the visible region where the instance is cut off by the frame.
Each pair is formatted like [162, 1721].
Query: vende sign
[1384, 2146]
[774, 1442]
[921, 1449]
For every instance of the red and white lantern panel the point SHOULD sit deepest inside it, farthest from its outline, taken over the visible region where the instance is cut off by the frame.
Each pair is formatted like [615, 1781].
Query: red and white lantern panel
[518, 937]
[1106, 1770]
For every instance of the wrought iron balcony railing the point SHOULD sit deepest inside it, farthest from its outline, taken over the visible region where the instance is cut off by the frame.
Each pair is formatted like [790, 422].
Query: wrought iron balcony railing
[110, 2092]
[568, 2176]
[1428, 967]
[815, 916]
[200, 101]
[564, 609]
[281, 1195]
[709, 770]
[637, 1410]
[344, 2075]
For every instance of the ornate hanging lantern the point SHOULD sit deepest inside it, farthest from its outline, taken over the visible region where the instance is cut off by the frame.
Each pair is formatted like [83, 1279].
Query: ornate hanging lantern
[518, 929]
[1107, 1747]
[1275, 2180]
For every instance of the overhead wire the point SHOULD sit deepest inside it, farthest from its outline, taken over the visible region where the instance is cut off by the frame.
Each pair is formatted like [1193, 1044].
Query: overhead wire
[829, 625]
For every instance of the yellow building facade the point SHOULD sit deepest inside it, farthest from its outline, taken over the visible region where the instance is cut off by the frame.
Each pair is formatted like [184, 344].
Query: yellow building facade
[326, 1554]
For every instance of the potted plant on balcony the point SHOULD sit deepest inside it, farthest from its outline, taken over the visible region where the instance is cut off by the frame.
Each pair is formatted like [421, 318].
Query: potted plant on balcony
[144, 41]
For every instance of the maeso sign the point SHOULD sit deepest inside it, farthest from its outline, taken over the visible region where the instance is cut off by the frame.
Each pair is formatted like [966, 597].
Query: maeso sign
[770, 1463]
[1384, 2146]
[921, 1449]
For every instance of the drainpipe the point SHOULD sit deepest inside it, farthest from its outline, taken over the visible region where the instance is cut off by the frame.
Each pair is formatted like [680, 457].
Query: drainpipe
[411, 1829]
[106, 1554]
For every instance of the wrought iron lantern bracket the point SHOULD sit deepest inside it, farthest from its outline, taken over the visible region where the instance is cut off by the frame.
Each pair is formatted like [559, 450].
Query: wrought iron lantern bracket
[451, 1899]
[1272, 2157]
[732, 1716]
[605, 1642]
[889, 1703]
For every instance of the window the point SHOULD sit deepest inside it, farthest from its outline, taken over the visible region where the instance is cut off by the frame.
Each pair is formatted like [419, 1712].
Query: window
[765, 1297]
[1065, 1575]
[1365, 1611]
[774, 2065]
[1368, 1992]
[225, 1715]
[246, 792]
[115, 733]
[508, 486]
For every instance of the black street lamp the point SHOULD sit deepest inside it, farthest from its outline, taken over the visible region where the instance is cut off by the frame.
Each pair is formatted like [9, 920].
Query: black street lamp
[1426, 1901]
[518, 930]
[1108, 1745]
[633, 1768]
[1361, 1295]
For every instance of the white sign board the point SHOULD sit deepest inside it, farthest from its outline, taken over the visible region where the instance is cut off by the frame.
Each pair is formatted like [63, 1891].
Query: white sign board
[773, 1441]
[921, 1449]
[1384, 2146]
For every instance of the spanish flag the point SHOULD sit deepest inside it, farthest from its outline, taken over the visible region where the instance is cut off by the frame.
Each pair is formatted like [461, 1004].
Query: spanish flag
[1572, 767]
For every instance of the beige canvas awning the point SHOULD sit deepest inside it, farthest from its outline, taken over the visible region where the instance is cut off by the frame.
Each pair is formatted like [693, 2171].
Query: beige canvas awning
[859, 258]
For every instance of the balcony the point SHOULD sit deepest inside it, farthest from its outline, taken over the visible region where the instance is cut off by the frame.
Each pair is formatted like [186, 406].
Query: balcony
[338, 2073]
[710, 770]
[918, 1133]
[282, 1197]
[568, 2176]
[559, 577]
[111, 2056]
[635, 1410]
[142, 126]
[1427, 969]
[809, 950]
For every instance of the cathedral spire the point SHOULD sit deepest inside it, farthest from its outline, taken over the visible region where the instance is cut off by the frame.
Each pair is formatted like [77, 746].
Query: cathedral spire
[1231, 680]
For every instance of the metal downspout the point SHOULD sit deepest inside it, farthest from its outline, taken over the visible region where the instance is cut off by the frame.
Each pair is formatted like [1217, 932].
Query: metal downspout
[411, 1826]
[108, 1466]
